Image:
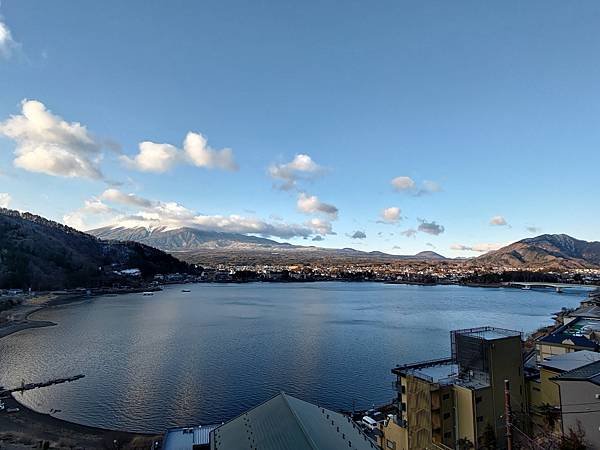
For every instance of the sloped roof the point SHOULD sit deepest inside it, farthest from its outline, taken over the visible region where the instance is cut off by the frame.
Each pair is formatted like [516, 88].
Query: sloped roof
[570, 361]
[287, 423]
[560, 338]
[590, 372]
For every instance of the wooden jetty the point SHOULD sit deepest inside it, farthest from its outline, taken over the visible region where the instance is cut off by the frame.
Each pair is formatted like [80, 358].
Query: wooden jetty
[28, 386]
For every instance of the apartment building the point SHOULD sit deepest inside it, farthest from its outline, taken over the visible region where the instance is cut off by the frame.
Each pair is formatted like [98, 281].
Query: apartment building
[458, 401]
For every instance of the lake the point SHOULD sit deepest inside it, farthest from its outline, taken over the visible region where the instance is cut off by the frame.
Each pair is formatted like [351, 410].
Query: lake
[177, 359]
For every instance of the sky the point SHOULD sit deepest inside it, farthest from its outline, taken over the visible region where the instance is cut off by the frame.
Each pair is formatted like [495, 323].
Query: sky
[395, 126]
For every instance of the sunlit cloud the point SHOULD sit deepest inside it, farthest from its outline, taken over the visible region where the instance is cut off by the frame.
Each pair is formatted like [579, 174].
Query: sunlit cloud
[391, 215]
[160, 158]
[115, 208]
[45, 143]
[5, 200]
[310, 204]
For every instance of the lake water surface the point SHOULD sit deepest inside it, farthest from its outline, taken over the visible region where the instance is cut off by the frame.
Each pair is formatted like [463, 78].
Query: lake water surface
[175, 359]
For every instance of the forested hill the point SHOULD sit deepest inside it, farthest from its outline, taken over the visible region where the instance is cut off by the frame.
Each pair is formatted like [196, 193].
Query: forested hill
[42, 254]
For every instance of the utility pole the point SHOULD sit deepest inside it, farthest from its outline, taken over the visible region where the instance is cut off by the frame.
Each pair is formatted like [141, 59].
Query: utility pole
[508, 416]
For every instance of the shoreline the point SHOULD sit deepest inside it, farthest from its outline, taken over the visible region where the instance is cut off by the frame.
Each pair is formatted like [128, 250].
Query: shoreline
[28, 426]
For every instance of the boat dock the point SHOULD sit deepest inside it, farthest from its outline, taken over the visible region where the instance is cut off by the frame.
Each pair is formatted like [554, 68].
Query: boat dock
[28, 386]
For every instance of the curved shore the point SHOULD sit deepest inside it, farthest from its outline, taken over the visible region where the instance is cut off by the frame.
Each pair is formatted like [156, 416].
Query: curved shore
[26, 427]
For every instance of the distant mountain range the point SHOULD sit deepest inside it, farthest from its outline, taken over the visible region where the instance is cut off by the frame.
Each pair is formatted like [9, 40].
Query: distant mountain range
[211, 247]
[558, 251]
[41, 254]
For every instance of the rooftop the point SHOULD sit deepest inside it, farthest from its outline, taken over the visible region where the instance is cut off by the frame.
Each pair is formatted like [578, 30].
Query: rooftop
[589, 372]
[582, 332]
[487, 333]
[570, 361]
[592, 311]
[287, 423]
[185, 438]
[445, 372]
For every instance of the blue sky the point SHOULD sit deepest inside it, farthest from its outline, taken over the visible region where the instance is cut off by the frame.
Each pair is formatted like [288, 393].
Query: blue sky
[482, 113]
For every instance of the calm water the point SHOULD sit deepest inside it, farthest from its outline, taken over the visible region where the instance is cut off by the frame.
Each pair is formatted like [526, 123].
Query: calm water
[185, 358]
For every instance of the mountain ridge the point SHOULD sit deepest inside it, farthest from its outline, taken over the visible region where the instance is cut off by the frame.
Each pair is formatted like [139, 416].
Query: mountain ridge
[547, 250]
[41, 254]
[190, 244]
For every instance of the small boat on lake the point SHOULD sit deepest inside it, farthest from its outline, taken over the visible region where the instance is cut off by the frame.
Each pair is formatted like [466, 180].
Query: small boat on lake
[148, 293]
[185, 290]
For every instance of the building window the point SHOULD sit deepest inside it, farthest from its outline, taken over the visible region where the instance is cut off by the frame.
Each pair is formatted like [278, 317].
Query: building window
[446, 415]
[478, 399]
[403, 390]
[447, 434]
[445, 396]
[403, 406]
[390, 444]
[480, 419]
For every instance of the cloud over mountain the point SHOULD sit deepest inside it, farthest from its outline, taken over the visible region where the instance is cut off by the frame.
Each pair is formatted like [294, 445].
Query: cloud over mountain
[130, 210]
[498, 221]
[480, 248]
[5, 200]
[310, 204]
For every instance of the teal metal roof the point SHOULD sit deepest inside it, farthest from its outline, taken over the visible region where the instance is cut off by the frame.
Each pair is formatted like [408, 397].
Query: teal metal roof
[287, 423]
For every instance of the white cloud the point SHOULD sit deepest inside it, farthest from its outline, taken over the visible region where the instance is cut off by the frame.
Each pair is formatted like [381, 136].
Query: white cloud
[153, 157]
[408, 185]
[7, 43]
[310, 204]
[480, 248]
[197, 150]
[159, 158]
[391, 215]
[430, 227]
[48, 144]
[301, 167]
[320, 226]
[403, 184]
[116, 196]
[5, 200]
[498, 221]
[141, 212]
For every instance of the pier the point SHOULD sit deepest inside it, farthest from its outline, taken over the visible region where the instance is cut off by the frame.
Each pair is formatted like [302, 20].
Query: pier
[28, 386]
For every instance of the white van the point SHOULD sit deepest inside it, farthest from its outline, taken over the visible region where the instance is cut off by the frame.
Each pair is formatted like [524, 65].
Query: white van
[370, 423]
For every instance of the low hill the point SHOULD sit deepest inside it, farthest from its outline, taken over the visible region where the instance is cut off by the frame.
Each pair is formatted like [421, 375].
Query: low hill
[42, 254]
[552, 251]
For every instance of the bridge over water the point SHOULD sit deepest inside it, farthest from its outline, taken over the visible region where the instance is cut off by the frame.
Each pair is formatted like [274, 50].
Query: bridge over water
[558, 287]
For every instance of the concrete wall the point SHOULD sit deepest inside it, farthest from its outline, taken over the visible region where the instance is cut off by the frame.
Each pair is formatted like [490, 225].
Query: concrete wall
[580, 396]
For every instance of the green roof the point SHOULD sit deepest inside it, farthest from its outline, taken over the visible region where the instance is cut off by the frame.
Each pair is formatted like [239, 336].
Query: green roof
[287, 423]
